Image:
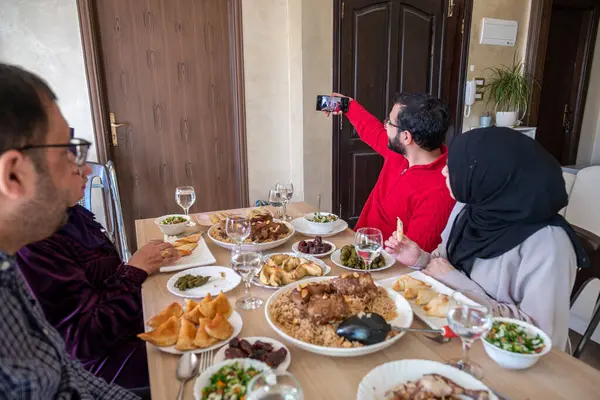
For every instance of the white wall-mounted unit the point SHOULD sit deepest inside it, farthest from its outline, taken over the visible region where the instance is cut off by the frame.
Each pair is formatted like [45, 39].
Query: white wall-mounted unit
[499, 32]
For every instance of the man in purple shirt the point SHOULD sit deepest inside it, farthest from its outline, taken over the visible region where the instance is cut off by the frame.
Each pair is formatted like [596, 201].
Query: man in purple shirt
[36, 154]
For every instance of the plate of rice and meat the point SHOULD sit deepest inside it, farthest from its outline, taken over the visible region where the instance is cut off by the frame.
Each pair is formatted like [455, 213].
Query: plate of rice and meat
[307, 314]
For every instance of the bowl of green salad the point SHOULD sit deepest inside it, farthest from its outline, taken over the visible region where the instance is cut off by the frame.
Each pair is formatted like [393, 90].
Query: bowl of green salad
[228, 379]
[172, 224]
[321, 222]
[515, 344]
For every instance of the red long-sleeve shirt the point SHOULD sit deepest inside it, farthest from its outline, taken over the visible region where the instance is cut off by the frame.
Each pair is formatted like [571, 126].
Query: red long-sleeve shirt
[418, 195]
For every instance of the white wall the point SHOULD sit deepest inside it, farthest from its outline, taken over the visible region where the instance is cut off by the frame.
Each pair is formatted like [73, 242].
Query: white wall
[589, 141]
[43, 37]
[288, 57]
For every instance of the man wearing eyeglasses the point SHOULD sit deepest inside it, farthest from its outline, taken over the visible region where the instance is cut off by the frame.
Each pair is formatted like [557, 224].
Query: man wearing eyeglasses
[37, 152]
[410, 185]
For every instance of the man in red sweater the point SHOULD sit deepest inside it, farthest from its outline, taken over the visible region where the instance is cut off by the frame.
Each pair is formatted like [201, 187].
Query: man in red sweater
[410, 185]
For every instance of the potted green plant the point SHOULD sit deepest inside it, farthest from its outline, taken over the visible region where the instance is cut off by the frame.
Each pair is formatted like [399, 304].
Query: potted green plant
[509, 90]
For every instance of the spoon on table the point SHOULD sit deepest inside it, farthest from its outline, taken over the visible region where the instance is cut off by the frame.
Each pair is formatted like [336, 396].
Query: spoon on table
[187, 368]
[372, 328]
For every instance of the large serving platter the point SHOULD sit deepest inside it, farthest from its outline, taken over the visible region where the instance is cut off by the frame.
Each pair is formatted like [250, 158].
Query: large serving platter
[249, 246]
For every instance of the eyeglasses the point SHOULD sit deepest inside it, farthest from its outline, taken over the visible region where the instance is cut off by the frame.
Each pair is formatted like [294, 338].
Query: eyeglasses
[388, 122]
[76, 146]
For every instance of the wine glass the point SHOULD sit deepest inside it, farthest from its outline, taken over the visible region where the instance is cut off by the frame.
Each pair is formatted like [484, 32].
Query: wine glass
[185, 196]
[287, 191]
[471, 319]
[238, 229]
[276, 200]
[246, 262]
[274, 385]
[368, 243]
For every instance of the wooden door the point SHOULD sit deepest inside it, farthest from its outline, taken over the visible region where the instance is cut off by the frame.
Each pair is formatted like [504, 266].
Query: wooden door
[171, 75]
[571, 36]
[384, 47]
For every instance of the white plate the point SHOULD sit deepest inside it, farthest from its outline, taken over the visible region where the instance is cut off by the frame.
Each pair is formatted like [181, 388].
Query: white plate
[220, 355]
[235, 320]
[215, 284]
[326, 270]
[200, 256]
[301, 226]
[295, 249]
[390, 375]
[261, 246]
[204, 379]
[433, 322]
[336, 259]
[404, 319]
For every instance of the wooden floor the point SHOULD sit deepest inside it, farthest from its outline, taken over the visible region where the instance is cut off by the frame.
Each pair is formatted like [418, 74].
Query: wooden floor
[591, 353]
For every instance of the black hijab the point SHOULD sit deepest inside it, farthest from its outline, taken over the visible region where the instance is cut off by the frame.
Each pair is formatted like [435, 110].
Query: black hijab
[511, 188]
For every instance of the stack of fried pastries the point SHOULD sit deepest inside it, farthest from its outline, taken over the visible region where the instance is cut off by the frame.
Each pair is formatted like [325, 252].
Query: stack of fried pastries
[201, 325]
[434, 304]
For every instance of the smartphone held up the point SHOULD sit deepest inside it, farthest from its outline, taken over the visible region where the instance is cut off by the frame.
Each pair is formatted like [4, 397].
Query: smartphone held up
[332, 104]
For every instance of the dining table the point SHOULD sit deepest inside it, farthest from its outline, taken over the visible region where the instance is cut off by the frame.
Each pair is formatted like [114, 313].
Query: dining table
[556, 376]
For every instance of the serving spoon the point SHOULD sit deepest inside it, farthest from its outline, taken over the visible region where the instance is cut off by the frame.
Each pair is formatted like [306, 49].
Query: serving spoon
[372, 328]
[187, 368]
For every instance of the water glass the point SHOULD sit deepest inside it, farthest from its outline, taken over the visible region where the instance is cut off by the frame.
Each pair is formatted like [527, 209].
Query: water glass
[247, 262]
[287, 192]
[238, 229]
[368, 243]
[185, 196]
[273, 385]
[471, 319]
[276, 200]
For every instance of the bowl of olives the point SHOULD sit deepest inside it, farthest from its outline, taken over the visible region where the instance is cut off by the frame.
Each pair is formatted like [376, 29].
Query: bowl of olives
[347, 258]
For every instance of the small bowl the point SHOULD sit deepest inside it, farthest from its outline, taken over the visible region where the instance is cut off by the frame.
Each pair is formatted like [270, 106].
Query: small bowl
[172, 229]
[510, 360]
[320, 227]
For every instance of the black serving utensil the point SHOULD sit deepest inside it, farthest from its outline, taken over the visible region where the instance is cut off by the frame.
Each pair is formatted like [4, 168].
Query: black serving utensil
[372, 328]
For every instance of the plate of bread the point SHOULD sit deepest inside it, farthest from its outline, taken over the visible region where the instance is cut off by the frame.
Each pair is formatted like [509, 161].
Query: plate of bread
[193, 251]
[429, 299]
[196, 327]
[281, 269]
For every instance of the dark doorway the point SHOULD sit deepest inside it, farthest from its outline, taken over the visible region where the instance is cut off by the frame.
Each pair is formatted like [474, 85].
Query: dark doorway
[567, 34]
[382, 48]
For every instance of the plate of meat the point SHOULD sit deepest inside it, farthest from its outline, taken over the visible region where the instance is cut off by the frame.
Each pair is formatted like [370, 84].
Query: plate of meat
[270, 351]
[420, 379]
[308, 313]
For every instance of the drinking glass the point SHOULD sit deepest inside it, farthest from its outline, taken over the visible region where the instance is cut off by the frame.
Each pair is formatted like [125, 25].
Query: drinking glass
[368, 243]
[273, 385]
[246, 262]
[186, 197]
[287, 191]
[471, 319]
[238, 229]
[276, 200]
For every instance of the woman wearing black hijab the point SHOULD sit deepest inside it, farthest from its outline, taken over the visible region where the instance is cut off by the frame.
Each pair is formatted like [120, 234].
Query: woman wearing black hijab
[505, 237]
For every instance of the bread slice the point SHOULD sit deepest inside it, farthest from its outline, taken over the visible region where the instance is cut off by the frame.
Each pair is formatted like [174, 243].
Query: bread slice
[164, 335]
[189, 239]
[173, 310]
[186, 249]
[399, 229]
[187, 334]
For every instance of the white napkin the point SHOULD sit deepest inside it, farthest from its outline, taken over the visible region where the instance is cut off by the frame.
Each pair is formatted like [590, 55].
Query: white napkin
[199, 257]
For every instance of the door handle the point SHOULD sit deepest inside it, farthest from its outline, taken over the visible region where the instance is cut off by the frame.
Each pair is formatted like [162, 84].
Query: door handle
[451, 9]
[566, 121]
[113, 129]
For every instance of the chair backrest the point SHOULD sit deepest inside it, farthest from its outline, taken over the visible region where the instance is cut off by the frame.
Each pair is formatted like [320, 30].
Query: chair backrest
[569, 182]
[115, 227]
[584, 202]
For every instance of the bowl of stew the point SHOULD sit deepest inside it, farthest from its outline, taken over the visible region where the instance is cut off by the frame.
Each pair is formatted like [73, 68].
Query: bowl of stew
[515, 344]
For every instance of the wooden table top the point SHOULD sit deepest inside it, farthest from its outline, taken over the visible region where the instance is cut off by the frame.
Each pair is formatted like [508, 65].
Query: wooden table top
[555, 376]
